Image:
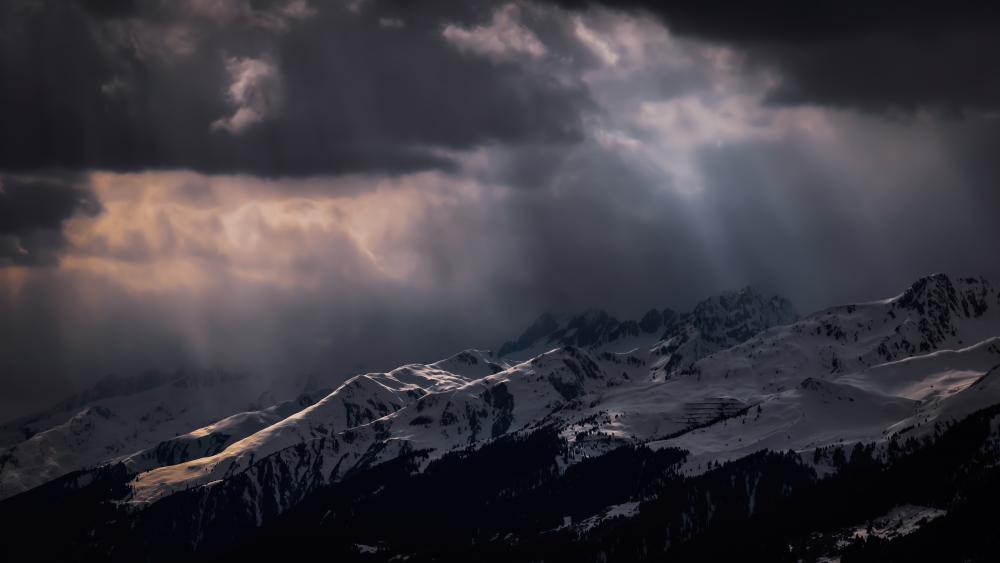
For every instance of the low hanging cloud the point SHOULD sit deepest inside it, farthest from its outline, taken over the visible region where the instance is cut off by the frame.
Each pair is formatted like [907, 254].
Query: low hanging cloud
[255, 91]
[505, 38]
[33, 212]
[594, 41]
[898, 57]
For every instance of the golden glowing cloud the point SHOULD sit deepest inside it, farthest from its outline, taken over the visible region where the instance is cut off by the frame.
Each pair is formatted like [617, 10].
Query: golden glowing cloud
[185, 231]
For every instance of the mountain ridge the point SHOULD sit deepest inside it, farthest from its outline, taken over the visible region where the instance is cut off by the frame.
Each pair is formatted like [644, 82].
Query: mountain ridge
[746, 381]
[729, 317]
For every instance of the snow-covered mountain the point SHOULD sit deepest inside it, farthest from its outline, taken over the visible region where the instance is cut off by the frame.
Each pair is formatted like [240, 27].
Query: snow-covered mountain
[720, 406]
[120, 421]
[352, 407]
[20, 429]
[739, 374]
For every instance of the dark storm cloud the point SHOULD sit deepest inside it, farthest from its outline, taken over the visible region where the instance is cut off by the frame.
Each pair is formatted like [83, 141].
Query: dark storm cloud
[273, 88]
[875, 56]
[32, 213]
[564, 177]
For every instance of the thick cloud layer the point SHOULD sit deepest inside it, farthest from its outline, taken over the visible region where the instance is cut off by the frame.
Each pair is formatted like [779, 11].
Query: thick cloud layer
[32, 214]
[277, 88]
[876, 56]
[291, 187]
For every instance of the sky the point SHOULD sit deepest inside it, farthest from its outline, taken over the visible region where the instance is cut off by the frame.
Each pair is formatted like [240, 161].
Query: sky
[292, 186]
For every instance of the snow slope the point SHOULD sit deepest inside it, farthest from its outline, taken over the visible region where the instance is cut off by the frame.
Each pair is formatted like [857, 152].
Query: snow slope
[22, 428]
[159, 419]
[359, 401]
[213, 438]
[736, 375]
[122, 424]
[746, 383]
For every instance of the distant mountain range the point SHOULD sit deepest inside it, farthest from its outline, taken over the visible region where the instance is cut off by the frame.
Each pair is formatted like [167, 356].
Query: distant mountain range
[587, 438]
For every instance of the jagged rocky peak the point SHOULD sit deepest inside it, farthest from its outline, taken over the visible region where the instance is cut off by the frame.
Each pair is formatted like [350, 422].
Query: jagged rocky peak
[551, 330]
[591, 329]
[541, 329]
[727, 318]
[718, 323]
[938, 295]
[659, 321]
[651, 321]
[737, 315]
